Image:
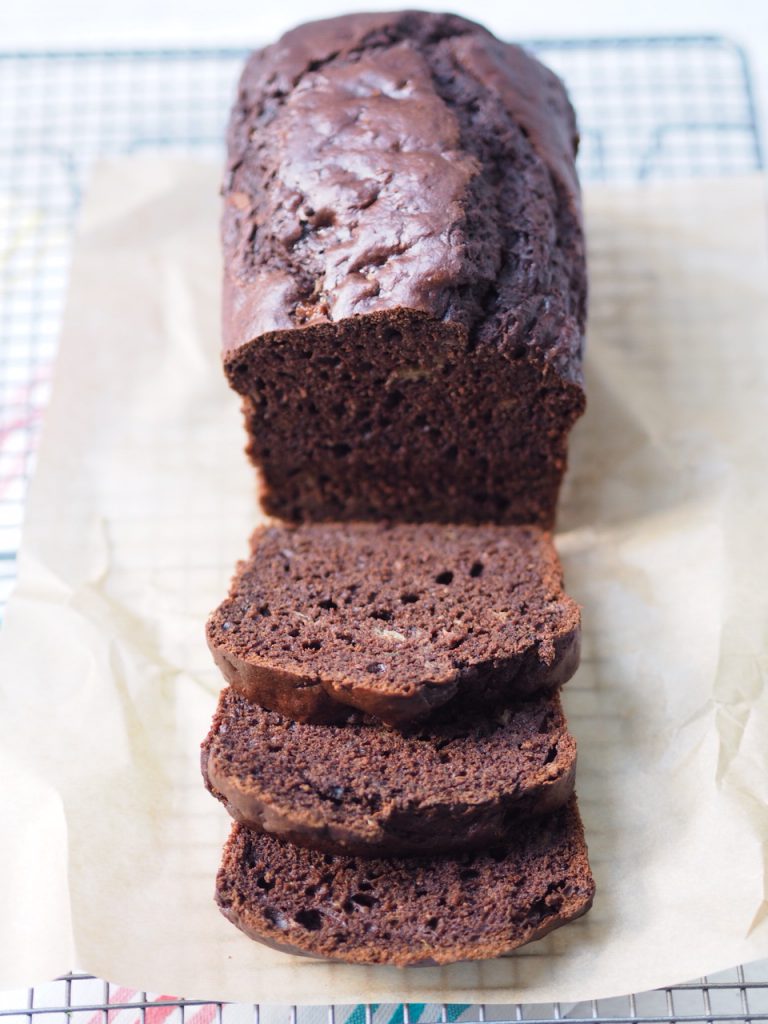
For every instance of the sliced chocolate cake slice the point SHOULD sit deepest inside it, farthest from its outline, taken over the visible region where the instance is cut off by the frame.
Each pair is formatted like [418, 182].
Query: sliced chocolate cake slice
[395, 620]
[457, 781]
[405, 911]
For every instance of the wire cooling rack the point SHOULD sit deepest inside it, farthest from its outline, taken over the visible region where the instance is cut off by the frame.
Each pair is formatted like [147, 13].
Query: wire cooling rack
[648, 109]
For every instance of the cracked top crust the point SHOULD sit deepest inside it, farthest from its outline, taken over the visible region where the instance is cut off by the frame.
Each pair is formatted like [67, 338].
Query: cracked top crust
[404, 161]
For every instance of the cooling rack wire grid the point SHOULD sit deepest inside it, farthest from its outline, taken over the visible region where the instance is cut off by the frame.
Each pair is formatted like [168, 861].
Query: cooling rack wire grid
[654, 108]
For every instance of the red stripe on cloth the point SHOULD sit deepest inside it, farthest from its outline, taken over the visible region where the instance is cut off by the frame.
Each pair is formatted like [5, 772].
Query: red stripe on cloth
[153, 1014]
[204, 1015]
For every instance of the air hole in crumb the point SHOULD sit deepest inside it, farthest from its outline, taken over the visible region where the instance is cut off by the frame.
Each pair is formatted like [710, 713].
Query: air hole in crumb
[444, 577]
[393, 337]
[327, 604]
[340, 450]
[313, 645]
[393, 399]
[452, 453]
[310, 919]
[382, 613]
[264, 883]
[264, 610]
[363, 900]
[476, 570]
[431, 922]
[409, 598]
[543, 908]
[365, 886]
[466, 874]
[375, 667]
[293, 632]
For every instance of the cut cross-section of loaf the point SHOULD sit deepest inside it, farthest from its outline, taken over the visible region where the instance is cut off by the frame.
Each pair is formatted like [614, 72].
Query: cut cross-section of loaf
[404, 273]
[455, 782]
[408, 910]
[395, 620]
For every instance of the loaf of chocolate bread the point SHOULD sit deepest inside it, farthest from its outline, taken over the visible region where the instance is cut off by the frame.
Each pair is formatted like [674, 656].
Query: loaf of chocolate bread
[395, 620]
[404, 275]
[423, 910]
[457, 782]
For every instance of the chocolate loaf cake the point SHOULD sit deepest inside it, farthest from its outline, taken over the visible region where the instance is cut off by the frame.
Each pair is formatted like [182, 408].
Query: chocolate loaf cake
[395, 620]
[405, 911]
[457, 782]
[404, 285]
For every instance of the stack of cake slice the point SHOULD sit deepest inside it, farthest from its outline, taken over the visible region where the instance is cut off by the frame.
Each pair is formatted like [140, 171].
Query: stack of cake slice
[404, 312]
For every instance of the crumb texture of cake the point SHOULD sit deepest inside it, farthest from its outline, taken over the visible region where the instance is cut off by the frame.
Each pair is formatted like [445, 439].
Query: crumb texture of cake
[456, 782]
[404, 273]
[408, 911]
[395, 620]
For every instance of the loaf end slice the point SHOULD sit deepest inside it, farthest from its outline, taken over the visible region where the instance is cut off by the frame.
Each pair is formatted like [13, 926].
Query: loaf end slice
[395, 621]
[411, 911]
[457, 782]
[405, 284]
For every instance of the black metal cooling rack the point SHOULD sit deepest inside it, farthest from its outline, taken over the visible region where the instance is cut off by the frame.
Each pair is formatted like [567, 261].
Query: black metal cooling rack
[649, 108]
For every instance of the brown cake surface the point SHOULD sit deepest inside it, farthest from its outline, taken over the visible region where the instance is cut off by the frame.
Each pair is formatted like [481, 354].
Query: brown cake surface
[458, 781]
[407, 911]
[405, 284]
[395, 620]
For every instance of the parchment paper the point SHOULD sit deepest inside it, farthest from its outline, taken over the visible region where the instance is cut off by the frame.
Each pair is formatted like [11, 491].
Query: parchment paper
[143, 500]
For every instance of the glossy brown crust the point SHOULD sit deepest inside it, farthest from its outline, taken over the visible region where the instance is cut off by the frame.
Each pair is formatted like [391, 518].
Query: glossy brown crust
[512, 655]
[459, 782]
[408, 911]
[342, 124]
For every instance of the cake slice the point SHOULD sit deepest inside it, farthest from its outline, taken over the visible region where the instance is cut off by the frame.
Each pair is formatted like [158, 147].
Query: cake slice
[395, 620]
[406, 911]
[456, 782]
